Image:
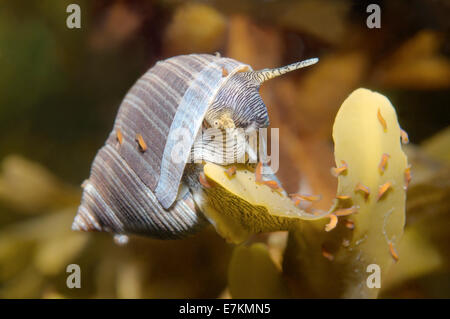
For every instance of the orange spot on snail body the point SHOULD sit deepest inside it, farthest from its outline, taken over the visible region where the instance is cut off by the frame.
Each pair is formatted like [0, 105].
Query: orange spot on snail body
[230, 172]
[393, 251]
[404, 136]
[346, 211]
[407, 177]
[383, 163]
[203, 181]
[383, 189]
[141, 142]
[336, 171]
[327, 255]
[382, 120]
[364, 189]
[332, 224]
[119, 136]
[224, 72]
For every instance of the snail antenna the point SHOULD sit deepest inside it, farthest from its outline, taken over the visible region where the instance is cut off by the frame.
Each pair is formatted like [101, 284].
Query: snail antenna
[267, 74]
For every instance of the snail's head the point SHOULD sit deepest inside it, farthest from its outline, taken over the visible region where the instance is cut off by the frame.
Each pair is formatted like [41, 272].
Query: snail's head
[238, 103]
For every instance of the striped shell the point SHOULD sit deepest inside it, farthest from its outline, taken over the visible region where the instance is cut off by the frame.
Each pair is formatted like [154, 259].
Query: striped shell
[134, 186]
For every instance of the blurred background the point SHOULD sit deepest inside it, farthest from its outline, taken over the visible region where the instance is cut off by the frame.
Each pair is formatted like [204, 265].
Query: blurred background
[60, 90]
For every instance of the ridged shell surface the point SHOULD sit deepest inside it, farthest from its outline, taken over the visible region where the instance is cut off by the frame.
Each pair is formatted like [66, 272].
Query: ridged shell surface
[134, 190]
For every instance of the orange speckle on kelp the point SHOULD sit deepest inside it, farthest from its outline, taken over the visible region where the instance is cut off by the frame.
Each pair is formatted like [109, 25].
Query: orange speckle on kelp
[309, 198]
[336, 171]
[364, 189]
[382, 120]
[332, 224]
[350, 224]
[393, 251]
[383, 163]
[346, 211]
[327, 254]
[404, 136]
[272, 184]
[230, 172]
[383, 189]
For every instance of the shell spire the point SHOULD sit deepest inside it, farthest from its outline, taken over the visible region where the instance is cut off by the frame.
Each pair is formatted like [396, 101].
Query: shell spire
[267, 74]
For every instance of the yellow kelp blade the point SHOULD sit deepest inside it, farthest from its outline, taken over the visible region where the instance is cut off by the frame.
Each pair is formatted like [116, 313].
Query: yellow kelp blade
[253, 274]
[340, 263]
[238, 206]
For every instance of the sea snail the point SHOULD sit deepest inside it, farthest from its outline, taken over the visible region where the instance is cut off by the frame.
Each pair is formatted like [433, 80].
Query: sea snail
[134, 186]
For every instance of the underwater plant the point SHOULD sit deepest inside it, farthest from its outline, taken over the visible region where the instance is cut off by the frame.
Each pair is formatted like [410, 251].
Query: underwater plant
[328, 254]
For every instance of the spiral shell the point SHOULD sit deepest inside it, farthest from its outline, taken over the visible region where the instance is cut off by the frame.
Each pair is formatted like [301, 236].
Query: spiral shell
[134, 186]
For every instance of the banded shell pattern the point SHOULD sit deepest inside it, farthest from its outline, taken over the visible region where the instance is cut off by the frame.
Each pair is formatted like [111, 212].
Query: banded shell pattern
[134, 191]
